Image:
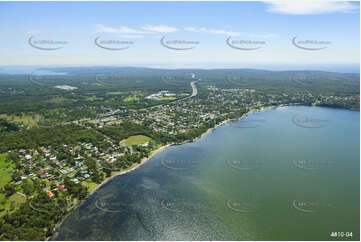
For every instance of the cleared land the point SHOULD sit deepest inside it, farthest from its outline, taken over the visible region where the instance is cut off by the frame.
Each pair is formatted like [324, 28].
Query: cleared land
[29, 120]
[129, 99]
[114, 93]
[5, 170]
[136, 140]
[168, 98]
[10, 203]
[90, 185]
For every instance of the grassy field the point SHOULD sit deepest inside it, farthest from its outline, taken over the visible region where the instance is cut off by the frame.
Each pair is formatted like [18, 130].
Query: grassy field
[136, 140]
[28, 120]
[5, 204]
[5, 168]
[59, 100]
[90, 185]
[129, 99]
[114, 93]
[115, 122]
[168, 98]
[93, 98]
[17, 198]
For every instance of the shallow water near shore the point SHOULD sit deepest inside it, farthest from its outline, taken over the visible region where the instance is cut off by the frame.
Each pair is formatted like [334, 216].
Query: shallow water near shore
[290, 173]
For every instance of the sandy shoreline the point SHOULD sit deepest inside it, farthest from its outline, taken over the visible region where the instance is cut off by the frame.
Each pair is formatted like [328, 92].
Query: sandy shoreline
[145, 159]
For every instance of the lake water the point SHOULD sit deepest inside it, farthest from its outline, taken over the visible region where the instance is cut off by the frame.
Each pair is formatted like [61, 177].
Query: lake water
[290, 173]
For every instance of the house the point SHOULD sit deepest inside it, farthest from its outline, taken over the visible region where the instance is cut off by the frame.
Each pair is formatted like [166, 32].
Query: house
[64, 172]
[61, 187]
[50, 194]
[86, 176]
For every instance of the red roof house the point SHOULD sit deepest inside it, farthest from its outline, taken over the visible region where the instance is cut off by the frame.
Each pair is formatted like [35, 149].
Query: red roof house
[50, 194]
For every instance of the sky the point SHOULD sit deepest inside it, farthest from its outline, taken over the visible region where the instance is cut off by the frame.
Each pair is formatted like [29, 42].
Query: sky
[262, 35]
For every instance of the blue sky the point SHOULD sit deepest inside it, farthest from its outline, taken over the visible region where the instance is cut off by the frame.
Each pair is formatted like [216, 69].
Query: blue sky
[270, 26]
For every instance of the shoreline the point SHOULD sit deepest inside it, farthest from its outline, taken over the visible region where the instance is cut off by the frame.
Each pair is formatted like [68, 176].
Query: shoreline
[108, 179]
[145, 159]
[130, 169]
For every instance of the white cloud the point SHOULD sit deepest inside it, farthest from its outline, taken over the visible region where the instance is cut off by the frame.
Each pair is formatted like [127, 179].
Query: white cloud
[203, 29]
[129, 36]
[159, 28]
[192, 29]
[130, 33]
[228, 33]
[263, 36]
[212, 31]
[119, 30]
[220, 31]
[309, 7]
[33, 32]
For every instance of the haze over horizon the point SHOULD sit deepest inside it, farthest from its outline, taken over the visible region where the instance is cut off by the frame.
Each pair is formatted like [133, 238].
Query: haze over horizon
[26, 69]
[272, 25]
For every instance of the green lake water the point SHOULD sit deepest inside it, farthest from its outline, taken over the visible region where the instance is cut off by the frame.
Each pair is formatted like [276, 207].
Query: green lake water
[290, 173]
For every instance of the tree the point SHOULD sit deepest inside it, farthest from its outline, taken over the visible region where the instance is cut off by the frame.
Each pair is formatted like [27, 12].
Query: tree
[27, 187]
[108, 172]
[9, 189]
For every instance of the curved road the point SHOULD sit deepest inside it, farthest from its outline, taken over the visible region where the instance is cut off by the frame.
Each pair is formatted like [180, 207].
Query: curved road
[194, 89]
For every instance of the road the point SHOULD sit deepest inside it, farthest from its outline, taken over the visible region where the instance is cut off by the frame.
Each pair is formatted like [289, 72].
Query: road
[194, 93]
[194, 89]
